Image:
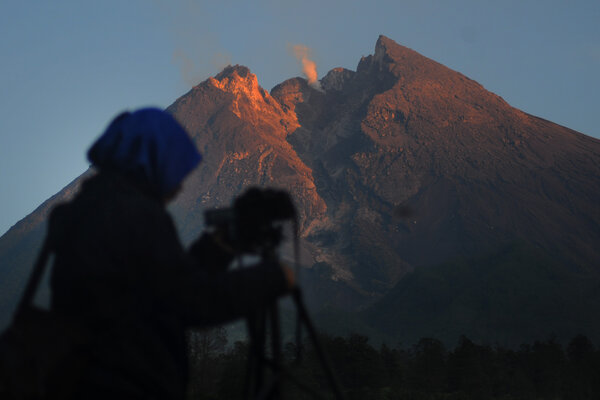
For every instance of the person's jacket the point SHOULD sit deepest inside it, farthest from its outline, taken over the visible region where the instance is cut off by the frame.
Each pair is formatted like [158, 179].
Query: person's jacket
[120, 268]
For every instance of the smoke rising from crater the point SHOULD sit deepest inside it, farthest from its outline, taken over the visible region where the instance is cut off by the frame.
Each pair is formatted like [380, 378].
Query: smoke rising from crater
[309, 67]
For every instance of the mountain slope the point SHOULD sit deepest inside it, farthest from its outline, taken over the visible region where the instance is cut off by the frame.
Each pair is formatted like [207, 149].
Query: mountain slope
[400, 164]
[513, 295]
[406, 131]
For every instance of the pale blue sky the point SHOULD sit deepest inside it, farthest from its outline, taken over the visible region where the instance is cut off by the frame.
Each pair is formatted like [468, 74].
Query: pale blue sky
[68, 66]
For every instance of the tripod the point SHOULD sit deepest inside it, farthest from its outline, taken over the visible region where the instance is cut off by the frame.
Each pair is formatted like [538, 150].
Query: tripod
[257, 385]
[253, 226]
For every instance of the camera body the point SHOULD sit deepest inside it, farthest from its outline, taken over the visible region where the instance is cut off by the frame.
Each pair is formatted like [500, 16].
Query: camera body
[253, 223]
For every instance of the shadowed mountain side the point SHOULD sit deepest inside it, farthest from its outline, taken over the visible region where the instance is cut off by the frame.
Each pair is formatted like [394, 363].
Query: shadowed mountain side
[513, 294]
[406, 131]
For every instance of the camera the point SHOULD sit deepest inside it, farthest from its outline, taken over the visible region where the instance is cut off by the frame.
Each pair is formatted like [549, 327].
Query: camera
[253, 223]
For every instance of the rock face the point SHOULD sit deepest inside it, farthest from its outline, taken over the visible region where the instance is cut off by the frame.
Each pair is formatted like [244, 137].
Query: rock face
[242, 133]
[399, 164]
[406, 131]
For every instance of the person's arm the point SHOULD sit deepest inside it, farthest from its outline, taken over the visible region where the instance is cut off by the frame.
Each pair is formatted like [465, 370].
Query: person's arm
[212, 251]
[203, 297]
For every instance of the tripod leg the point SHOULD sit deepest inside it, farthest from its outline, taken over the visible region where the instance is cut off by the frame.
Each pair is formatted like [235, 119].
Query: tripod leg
[335, 386]
[256, 326]
[275, 349]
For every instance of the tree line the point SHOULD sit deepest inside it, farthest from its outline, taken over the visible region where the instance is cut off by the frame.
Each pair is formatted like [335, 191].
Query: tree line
[426, 370]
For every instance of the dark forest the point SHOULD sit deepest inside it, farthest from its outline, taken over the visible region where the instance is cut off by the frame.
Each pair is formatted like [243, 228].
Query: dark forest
[544, 369]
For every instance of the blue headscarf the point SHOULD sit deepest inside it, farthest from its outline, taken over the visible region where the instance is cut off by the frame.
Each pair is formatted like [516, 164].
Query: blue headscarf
[148, 146]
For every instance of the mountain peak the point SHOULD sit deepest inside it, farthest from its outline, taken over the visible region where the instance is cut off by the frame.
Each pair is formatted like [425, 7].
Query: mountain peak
[399, 60]
[250, 101]
[387, 50]
[385, 44]
[234, 70]
[237, 79]
[336, 78]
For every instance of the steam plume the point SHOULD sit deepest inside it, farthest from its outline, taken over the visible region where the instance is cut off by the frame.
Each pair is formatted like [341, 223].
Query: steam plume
[309, 67]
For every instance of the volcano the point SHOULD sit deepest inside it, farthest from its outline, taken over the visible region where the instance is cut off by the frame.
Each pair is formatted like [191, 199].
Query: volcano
[410, 179]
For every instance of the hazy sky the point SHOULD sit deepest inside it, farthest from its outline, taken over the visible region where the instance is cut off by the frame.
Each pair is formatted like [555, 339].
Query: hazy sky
[69, 66]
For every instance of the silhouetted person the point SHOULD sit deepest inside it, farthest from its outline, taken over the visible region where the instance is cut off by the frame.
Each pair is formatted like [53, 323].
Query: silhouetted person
[120, 269]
